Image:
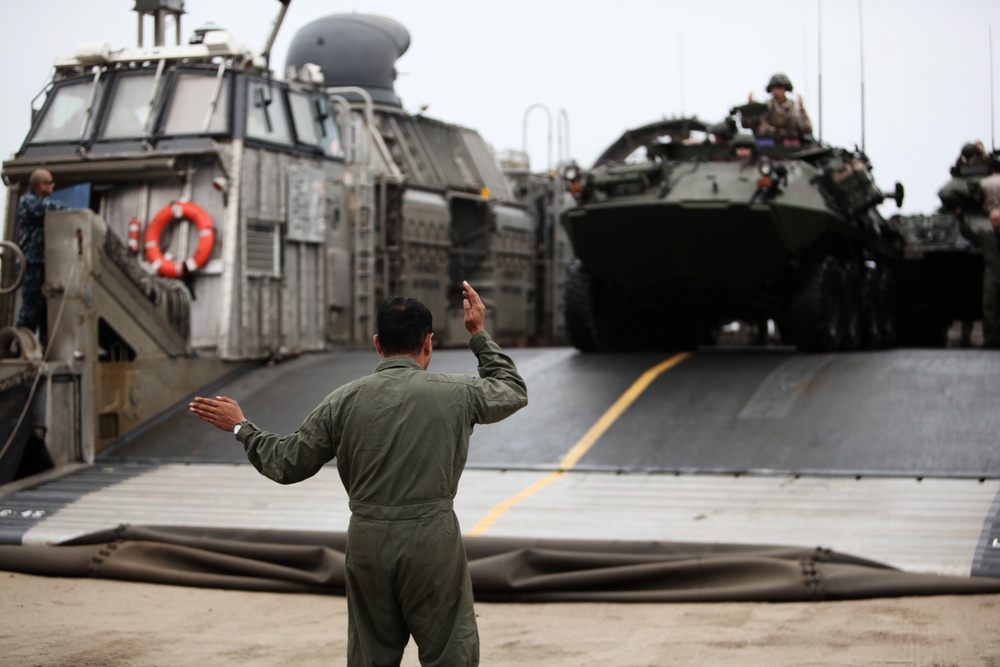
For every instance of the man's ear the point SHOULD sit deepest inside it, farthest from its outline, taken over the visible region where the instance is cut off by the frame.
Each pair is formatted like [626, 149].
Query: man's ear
[378, 348]
[428, 343]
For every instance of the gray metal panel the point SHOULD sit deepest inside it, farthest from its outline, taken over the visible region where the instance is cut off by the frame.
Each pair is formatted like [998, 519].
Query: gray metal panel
[307, 214]
[512, 281]
[294, 200]
[446, 151]
[338, 294]
[417, 165]
[267, 201]
[486, 165]
[441, 155]
[303, 329]
[423, 251]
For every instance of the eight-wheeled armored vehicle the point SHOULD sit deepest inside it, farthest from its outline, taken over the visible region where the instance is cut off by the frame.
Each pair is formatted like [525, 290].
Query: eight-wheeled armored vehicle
[676, 236]
[940, 277]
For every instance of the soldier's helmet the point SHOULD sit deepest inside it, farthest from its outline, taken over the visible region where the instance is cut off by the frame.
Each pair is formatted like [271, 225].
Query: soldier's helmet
[743, 141]
[724, 130]
[780, 80]
[969, 151]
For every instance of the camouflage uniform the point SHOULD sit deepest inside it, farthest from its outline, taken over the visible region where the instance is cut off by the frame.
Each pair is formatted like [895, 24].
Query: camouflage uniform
[963, 190]
[31, 209]
[988, 239]
[401, 439]
[782, 119]
[990, 187]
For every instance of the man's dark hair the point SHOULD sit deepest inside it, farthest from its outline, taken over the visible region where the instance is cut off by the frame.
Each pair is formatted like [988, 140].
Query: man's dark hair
[402, 324]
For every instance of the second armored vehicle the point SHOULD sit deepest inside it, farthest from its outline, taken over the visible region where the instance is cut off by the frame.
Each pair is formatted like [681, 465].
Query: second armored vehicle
[941, 273]
[674, 238]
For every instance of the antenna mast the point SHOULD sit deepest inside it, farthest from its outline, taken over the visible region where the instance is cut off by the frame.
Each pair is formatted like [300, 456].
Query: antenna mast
[819, 65]
[680, 67]
[861, 46]
[993, 135]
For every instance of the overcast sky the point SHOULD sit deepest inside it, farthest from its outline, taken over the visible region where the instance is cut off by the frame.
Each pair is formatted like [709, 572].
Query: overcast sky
[608, 66]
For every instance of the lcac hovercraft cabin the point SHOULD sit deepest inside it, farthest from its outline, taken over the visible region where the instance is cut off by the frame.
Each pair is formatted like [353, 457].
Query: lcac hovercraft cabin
[220, 215]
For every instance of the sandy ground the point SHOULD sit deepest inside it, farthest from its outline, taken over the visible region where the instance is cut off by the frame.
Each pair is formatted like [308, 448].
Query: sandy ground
[82, 622]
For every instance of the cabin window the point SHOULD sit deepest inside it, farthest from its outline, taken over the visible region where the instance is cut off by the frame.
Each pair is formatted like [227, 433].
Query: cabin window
[314, 123]
[266, 117]
[130, 106]
[64, 117]
[199, 105]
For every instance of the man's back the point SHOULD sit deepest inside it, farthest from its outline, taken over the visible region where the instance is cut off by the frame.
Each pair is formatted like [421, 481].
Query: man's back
[403, 432]
[401, 439]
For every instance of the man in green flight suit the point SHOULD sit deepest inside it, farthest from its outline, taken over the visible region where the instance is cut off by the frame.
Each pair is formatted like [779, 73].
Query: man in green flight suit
[401, 439]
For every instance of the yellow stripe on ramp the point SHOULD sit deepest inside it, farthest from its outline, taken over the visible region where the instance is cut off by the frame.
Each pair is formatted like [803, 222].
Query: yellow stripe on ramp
[582, 446]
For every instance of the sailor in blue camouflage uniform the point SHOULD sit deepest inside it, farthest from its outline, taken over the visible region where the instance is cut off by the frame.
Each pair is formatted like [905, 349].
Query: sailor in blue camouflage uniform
[31, 210]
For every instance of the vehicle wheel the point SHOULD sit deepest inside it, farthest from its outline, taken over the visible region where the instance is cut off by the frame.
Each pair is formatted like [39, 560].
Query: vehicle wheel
[871, 316]
[921, 330]
[814, 315]
[850, 305]
[885, 292]
[591, 313]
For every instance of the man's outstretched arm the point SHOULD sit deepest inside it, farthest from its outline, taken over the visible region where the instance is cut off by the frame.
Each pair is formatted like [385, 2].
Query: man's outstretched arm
[501, 389]
[284, 459]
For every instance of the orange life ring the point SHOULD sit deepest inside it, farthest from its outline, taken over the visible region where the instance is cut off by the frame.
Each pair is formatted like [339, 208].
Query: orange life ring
[183, 210]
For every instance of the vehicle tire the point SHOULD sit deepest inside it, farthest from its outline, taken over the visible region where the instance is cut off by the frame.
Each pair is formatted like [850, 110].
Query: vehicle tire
[851, 305]
[591, 313]
[814, 311]
[885, 292]
[872, 318]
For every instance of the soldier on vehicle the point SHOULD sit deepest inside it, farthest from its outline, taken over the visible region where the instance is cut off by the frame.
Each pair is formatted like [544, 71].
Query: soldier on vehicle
[31, 209]
[972, 155]
[987, 237]
[743, 147]
[720, 135]
[722, 132]
[962, 192]
[784, 119]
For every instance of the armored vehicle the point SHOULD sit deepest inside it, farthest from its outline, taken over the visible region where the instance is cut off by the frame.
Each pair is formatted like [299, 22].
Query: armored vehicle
[940, 277]
[220, 215]
[676, 236]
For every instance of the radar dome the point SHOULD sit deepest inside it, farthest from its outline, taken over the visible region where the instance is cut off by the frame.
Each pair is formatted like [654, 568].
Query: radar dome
[353, 50]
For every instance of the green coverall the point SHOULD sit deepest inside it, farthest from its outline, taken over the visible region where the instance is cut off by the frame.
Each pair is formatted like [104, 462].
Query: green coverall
[401, 440]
